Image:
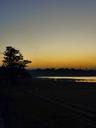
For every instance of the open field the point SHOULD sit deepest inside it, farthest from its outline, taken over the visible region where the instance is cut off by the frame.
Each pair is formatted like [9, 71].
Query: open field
[48, 104]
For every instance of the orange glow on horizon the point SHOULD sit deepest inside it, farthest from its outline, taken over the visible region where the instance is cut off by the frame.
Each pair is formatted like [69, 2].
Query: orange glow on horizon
[66, 63]
[62, 64]
[59, 60]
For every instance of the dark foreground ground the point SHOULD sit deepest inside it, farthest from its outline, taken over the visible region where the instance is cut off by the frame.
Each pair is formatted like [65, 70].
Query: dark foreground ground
[48, 104]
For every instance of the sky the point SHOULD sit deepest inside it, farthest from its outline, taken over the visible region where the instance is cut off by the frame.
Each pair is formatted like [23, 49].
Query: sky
[51, 33]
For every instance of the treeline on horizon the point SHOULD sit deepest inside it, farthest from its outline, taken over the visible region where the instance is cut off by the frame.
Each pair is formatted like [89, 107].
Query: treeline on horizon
[63, 72]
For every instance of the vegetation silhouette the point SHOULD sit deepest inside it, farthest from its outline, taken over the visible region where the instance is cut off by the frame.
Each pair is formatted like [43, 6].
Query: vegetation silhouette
[14, 59]
[13, 67]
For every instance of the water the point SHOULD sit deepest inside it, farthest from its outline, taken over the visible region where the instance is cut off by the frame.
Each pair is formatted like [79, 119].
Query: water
[75, 78]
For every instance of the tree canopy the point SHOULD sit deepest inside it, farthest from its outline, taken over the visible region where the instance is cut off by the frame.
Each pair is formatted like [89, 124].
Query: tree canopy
[13, 58]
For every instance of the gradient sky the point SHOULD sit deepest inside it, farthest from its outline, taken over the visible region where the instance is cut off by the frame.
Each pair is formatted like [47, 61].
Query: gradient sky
[51, 33]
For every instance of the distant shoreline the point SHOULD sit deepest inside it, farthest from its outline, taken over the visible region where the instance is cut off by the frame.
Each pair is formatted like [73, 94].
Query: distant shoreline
[62, 72]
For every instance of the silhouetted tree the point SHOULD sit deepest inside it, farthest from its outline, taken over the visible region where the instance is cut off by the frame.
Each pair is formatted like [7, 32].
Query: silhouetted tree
[14, 59]
[13, 66]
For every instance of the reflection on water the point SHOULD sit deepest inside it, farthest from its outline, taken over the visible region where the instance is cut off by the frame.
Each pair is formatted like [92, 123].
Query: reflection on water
[75, 78]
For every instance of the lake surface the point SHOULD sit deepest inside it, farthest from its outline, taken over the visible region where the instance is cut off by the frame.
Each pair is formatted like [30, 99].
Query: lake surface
[75, 78]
